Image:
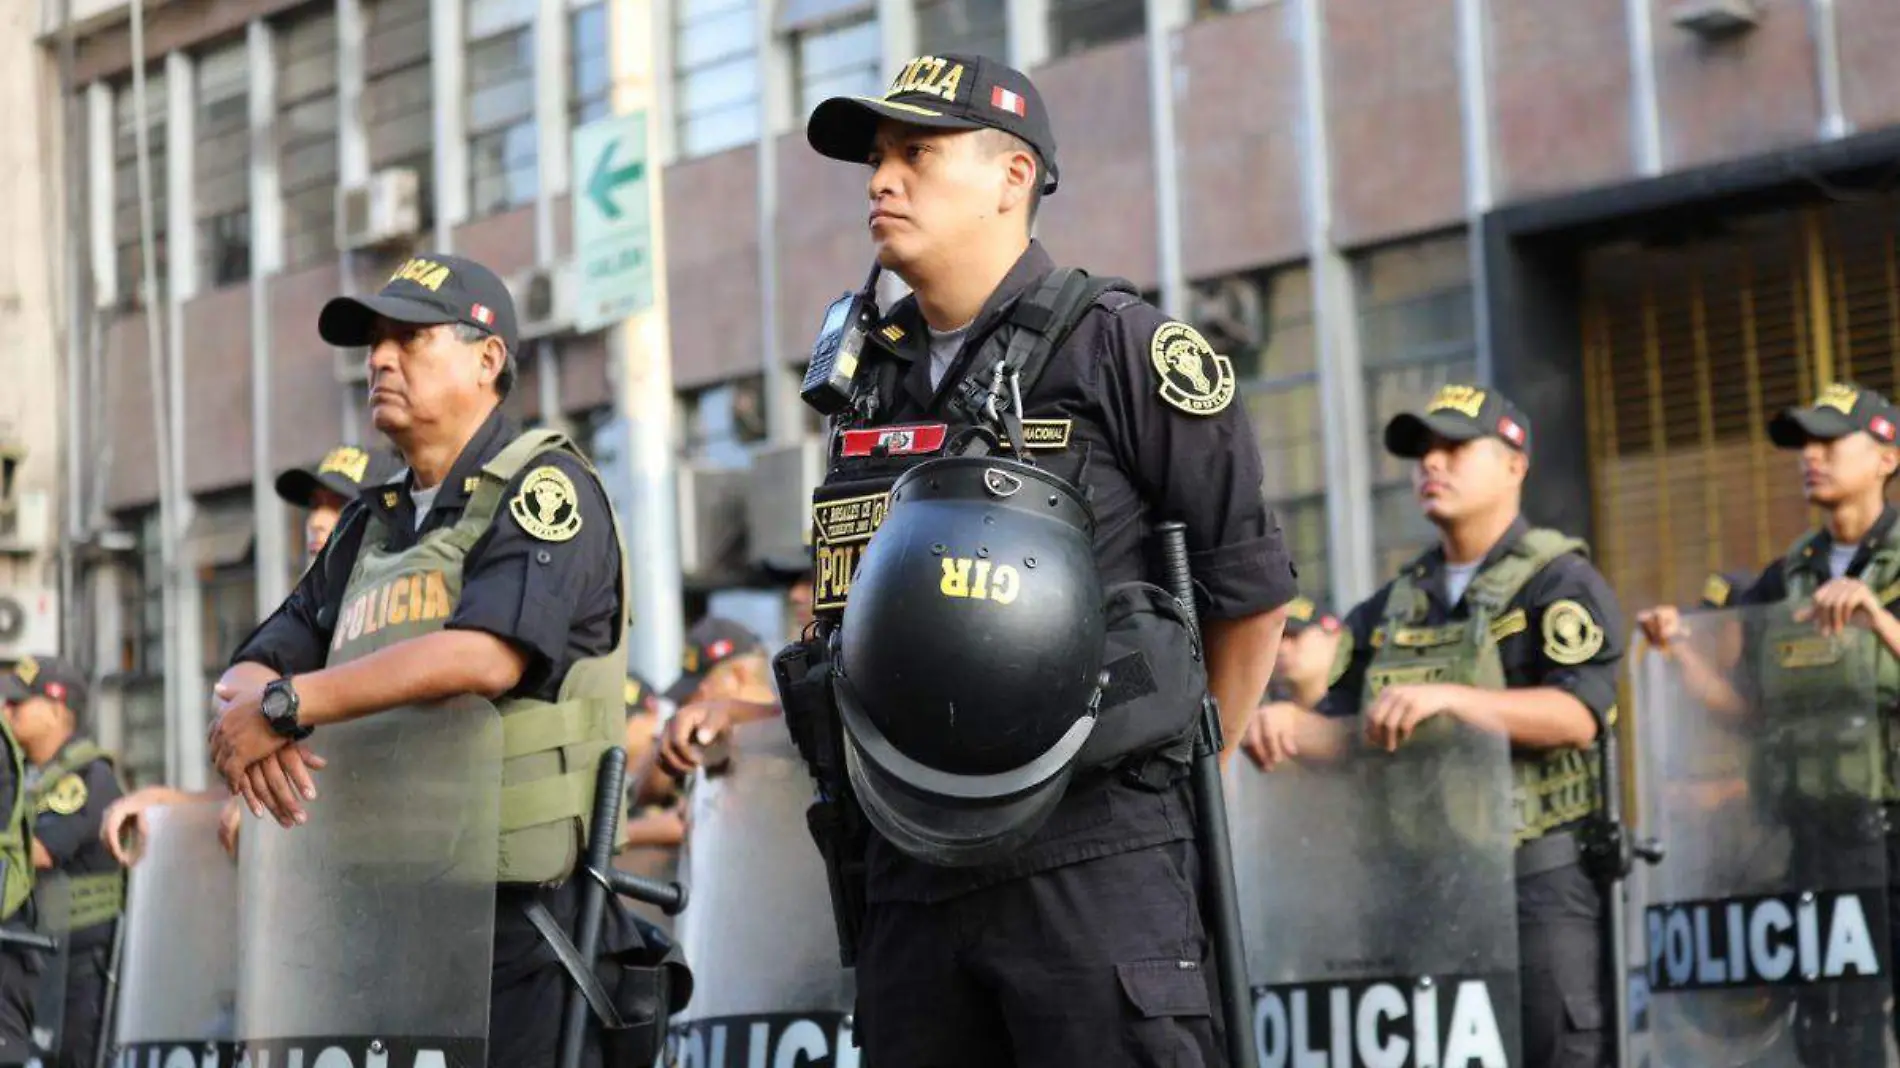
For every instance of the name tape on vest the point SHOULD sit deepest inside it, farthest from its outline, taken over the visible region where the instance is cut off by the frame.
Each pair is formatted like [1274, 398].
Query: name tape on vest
[773, 1039]
[415, 598]
[1772, 940]
[840, 530]
[1450, 1022]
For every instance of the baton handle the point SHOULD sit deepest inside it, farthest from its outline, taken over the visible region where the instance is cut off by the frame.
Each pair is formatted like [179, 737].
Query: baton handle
[669, 898]
[612, 782]
[28, 939]
[1210, 818]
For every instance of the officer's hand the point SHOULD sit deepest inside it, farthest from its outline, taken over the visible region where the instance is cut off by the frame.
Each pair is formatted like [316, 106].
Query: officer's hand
[1662, 625]
[682, 747]
[123, 827]
[1400, 709]
[1839, 604]
[1268, 737]
[230, 822]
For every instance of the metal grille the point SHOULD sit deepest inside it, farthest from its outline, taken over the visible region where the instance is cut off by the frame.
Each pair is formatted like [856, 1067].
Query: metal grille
[1689, 349]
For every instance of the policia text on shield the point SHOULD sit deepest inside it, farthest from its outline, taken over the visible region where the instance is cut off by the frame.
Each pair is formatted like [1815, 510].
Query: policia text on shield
[1502, 632]
[1798, 717]
[998, 702]
[489, 570]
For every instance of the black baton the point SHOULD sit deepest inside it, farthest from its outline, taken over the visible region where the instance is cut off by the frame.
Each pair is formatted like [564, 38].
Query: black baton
[109, 1019]
[1617, 853]
[1210, 819]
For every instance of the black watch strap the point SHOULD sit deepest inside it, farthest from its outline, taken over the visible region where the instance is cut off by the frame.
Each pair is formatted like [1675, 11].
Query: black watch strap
[284, 723]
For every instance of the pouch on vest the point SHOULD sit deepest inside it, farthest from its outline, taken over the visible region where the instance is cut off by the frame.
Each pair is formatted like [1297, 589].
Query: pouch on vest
[1157, 679]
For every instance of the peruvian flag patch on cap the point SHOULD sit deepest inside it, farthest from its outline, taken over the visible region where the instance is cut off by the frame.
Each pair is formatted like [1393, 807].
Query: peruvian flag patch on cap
[482, 314]
[1510, 431]
[1881, 427]
[1003, 100]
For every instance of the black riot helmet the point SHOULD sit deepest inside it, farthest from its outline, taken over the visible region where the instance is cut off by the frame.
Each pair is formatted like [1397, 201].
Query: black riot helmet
[971, 661]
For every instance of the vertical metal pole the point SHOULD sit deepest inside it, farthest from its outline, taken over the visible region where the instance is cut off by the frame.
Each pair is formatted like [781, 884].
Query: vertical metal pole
[181, 284]
[1164, 17]
[782, 413]
[72, 641]
[267, 254]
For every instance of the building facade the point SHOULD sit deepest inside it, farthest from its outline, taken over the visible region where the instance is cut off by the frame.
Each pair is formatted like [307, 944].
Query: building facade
[1651, 221]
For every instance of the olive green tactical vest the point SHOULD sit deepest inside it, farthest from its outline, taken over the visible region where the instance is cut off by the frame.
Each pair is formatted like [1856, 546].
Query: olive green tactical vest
[1552, 788]
[1801, 668]
[100, 896]
[550, 750]
[15, 852]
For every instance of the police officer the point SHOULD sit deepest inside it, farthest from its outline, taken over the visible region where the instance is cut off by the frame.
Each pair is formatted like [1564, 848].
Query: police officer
[321, 490]
[1844, 578]
[657, 823]
[511, 539]
[1314, 650]
[1084, 943]
[1555, 627]
[724, 681]
[72, 782]
[19, 966]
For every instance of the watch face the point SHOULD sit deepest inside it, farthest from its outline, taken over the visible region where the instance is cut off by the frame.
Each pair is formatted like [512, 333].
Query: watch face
[276, 703]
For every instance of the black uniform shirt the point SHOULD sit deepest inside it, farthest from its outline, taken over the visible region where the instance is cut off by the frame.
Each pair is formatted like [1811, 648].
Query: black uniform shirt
[71, 835]
[554, 601]
[1102, 397]
[1772, 585]
[1532, 657]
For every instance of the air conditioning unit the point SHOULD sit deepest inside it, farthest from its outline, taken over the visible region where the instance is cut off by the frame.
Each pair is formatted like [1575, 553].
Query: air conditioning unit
[29, 622]
[778, 505]
[712, 516]
[26, 523]
[1713, 19]
[544, 302]
[381, 211]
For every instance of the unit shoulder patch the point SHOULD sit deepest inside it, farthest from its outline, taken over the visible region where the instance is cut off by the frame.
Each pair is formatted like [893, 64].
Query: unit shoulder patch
[1571, 634]
[1192, 376]
[67, 796]
[547, 505]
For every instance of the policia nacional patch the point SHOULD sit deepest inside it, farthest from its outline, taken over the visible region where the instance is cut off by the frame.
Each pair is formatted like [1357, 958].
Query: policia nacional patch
[66, 797]
[1571, 634]
[1193, 377]
[547, 507]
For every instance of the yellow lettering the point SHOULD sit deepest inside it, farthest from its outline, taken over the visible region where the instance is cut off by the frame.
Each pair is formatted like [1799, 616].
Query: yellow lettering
[1007, 585]
[435, 603]
[1463, 399]
[956, 578]
[982, 587]
[436, 278]
[399, 602]
[948, 90]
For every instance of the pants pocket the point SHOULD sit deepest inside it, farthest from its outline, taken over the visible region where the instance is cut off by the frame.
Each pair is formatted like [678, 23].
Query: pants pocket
[1170, 1019]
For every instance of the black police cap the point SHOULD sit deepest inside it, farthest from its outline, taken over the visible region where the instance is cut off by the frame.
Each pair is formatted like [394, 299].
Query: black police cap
[948, 92]
[1458, 413]
[1842, 408]
[427, 290]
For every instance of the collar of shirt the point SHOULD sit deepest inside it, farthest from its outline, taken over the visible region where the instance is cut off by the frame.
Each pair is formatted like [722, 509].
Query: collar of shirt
[1428, 571]
[1814, 556]
[911, 342]
[392, 504]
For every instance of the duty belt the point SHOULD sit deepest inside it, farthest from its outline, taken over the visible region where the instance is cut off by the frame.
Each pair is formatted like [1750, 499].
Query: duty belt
[1548, 853]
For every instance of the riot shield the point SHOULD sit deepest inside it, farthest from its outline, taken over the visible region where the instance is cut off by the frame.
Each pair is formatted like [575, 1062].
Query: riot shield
[758, 929]
[369, 930]
[178, 970]
[52, 899]
[1378, 902]
[1761, 765]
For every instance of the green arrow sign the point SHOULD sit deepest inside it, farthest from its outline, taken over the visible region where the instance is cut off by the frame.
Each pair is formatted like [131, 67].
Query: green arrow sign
[607, 178]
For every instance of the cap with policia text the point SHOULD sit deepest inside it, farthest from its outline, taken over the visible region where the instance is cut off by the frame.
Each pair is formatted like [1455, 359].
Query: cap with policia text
[710, 643]
[1302, 612]
[426, 290]
[1459, 413]
[1721, 588]
[344, 471]
[949, 92]
[1840, 410]
[45, 676]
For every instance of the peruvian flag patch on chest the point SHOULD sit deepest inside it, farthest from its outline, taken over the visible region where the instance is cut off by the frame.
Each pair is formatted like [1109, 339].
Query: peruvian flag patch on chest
[914, 440]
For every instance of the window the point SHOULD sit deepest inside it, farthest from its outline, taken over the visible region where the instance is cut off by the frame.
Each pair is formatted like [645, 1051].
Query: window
[1263, 321]
[125, 187]
[590, 77]
[1416, 332]
[399, 96]
[841, 60]
[502, 150]
[716, 75]
[222, 165]
[307, 137]
[1075, 25]
[964, 27]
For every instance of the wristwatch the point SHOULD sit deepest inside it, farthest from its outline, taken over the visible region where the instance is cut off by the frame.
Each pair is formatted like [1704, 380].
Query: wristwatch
[280, 707]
